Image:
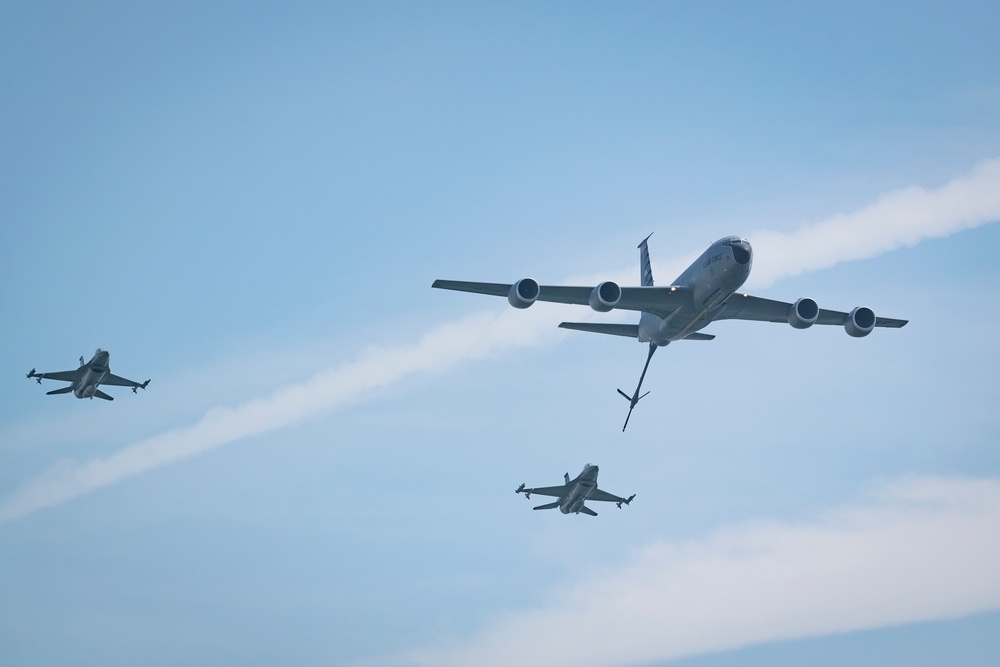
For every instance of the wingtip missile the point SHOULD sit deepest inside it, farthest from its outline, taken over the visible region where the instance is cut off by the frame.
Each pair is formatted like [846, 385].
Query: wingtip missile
[31, 373]
[520, 488]
[627, 501]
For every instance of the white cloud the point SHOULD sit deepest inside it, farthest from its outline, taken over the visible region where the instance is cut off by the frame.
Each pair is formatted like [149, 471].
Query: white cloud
[898, 219]
[919, 550]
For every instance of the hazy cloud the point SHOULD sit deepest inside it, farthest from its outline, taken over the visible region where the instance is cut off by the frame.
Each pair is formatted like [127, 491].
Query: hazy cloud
[918, 550]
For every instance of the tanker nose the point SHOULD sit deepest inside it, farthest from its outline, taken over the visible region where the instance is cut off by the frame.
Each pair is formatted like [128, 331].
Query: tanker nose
[742, 252]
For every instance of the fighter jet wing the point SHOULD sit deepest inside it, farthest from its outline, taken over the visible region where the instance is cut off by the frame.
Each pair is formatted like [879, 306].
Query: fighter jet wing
[748, 307]
[597, 494]
[557, 491]
[112, 379]
[64, 376]
[657, 300]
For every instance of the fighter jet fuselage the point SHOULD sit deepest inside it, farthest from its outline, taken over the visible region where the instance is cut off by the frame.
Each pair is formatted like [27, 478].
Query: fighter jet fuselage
[585, 484]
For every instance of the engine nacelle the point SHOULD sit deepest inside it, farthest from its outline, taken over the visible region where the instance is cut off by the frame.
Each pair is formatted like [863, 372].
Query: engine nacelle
[523, 293]
[860, 322]
[605, 296]
[88, 392]
[803, 313]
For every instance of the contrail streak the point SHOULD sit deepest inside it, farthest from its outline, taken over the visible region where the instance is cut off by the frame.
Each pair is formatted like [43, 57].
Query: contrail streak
[898, 219]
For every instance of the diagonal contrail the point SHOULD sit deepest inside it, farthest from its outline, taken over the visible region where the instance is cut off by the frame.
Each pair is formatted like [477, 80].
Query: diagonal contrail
[898, 219]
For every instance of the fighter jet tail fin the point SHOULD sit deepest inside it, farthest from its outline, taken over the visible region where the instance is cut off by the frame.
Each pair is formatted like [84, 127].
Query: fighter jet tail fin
[548, 506]
[100, 394]
[587, 510]
[64, 390]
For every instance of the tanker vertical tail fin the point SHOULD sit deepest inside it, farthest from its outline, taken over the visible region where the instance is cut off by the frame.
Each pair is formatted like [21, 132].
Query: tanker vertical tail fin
[645, 269]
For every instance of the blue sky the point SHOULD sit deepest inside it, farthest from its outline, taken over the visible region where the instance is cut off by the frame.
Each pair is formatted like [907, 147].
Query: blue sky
[248, 203]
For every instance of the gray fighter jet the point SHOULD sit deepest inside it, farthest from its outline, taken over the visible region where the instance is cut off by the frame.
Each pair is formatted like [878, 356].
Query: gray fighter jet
[84, 381]
[704, 293]
[574, 492]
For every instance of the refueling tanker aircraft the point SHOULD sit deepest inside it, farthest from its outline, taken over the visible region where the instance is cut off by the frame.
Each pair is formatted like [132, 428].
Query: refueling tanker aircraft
[705, 292]
[84, 381]
[574, 492]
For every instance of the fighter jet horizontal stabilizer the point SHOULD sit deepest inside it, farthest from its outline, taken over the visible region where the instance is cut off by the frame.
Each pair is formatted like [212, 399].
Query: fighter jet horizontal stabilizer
[549, 506]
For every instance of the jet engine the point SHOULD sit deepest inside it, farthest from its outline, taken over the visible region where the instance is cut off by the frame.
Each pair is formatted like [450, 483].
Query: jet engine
[803, 313]
[523, 293]
[605, 296]
[860, 322]
[88, 392]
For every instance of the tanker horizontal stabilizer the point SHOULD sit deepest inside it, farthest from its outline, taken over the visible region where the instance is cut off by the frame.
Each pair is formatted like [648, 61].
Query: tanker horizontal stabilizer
[627, 330]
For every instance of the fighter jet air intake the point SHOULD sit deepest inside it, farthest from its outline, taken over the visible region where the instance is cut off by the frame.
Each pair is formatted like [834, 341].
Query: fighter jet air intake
[575, 492]
[86, 379]
[705, 292]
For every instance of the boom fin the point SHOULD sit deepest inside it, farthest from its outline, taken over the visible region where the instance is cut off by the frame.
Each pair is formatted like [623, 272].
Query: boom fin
[635, 398]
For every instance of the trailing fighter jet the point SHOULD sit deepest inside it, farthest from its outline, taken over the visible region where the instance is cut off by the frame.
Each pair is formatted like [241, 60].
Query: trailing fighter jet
[574, 492]
[705, 292]
[84, 381]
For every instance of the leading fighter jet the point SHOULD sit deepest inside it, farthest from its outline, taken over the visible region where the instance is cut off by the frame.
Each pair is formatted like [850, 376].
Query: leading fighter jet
[705, 292]
[574, 492]
[85, 379]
